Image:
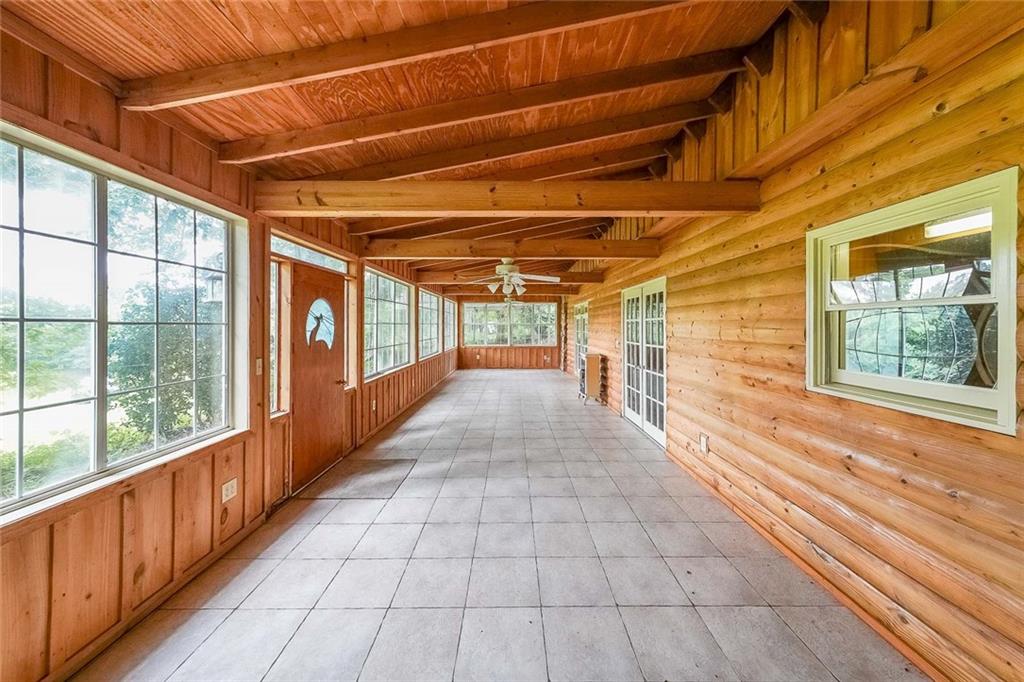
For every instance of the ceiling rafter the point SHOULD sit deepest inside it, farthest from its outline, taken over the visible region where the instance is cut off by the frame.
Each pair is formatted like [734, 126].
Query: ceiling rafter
[556, 138]
[357, 55]
[454, 112]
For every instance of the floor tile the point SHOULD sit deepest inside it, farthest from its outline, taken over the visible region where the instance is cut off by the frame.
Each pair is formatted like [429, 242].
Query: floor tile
[563, 540]
[680, 539]
[270, 541]
[621, 540]
[430, 469]
[415, 645]
[463, 487]
[713, 581]
[387, 541]
[329, 645]
[738, 539]
[155, 648]
[503, 582]
[846, 645]
[639, 486]
[657, 509]
[501, 644]
[293, 584]
[606, 509]
[506, 469]
[556, 510]
[760, 646]
[573, 582]
[445, 540]
[781, 583]
[537, 469]
[506, 510]
[468, 470]
[706, 509]
[507, 487]
[419, 488]
[552, 486]
[641, 581]
[363, 583]
[504, 540]
[243, 647]
[328, 541]
[354, 511]
[302, 512]
[405, 510]
[224, 585]
[455, 510]
[588, 644]
[672, 643]
[433, 582]
[595, 486]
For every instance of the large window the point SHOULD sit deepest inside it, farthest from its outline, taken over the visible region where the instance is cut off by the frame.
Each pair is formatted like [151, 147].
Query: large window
[510, 324]
[450, 324]
[113, 339]
[913, 306]
[429, 324]
[385, 324]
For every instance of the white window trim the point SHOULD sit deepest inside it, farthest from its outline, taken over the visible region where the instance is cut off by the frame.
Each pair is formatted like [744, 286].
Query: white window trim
[445, 303]
[236, 352]
[419, 308]
[993, 409]
[367, 378]
[508, 317]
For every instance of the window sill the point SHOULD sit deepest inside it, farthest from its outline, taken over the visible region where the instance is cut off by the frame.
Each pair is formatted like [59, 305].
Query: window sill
[371, 379]
[965, 415]
[427, 357]
[98, 485]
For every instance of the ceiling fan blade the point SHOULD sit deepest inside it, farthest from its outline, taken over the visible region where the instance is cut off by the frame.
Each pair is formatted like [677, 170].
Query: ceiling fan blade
[542, 278]
[482, 280]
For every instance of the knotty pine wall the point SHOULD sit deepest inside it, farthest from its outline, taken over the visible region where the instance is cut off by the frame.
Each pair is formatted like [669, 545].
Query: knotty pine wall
[511, 357]
[77, 574]
[918, 522]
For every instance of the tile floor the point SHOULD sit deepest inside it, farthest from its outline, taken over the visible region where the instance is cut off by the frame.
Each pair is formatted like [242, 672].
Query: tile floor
[503, 531]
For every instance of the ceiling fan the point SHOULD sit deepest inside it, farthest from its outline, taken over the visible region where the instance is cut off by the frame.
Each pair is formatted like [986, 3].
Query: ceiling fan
[508, 279]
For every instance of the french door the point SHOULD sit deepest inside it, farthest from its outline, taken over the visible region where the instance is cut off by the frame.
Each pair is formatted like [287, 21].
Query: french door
[643, 361]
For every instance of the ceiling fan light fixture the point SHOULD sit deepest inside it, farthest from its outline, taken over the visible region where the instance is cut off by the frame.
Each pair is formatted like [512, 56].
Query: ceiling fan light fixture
[506, 288]
[494, 287]
[520, 289]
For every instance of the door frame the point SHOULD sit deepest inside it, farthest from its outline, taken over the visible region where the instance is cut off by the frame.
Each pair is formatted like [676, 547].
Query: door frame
[640, 290]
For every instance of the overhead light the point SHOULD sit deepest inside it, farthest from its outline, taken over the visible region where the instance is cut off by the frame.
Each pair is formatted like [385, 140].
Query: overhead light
[493, 287]
[976, 220]
[506, 288]
[519, 289]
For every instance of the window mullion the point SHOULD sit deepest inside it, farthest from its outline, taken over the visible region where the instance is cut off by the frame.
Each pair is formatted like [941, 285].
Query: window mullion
[19, 460]
[100, 454]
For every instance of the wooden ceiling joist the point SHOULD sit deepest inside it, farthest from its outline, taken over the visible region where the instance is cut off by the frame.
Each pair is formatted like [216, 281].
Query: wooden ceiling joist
[420, 198]
[551, 249]
[531, 290]
[519, 228]
[434, 277]
[374, 52]
[556, 138]
[521, 100]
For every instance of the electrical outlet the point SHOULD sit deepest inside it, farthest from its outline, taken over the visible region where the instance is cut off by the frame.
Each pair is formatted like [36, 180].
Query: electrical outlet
[373, 405]
[228, 490]
[704, 443]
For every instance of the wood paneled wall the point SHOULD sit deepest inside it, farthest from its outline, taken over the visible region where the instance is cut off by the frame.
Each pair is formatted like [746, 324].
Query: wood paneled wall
[77, 574]
[917, 521]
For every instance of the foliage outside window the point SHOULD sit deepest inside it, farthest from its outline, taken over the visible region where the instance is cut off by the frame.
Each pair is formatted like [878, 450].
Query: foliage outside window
[113, 338]
[429, 324]
[286, 247]
[510, 324]
[449, 324]
[386, 324]
[905, 305]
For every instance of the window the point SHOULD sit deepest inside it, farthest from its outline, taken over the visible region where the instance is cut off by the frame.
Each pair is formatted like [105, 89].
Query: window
[275, 338]
[510, 324]
[913, 306]
[582, 320]
[286, 247]
[430, 324]
[114, 331]
[449, 324]
[385, 324]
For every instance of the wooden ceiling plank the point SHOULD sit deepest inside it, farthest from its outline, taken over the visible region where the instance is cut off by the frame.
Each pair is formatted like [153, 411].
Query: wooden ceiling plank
[580, 165]
[556, 138]
[403, 46]
[434, 277]
[552, 249]
[423, 198]
[520, 100]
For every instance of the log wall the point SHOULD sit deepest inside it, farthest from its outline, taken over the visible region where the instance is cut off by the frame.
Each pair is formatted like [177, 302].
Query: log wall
[918, 522]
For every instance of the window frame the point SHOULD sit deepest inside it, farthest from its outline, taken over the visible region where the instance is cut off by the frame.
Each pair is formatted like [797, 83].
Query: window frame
[993, 408]
[508, 324]
[410, 326]
[420, 296]
[450, 323]
[235, 333]
[581, 320]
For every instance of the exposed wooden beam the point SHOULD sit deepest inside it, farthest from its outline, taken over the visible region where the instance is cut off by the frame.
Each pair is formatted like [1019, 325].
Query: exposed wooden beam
[374, 52]
[505, 199]
[497, 229]
[433, 277]
[531, 290]
[578, 166]
[520, 100]
[761, 55]
[722, 98]
[553, 249]
[675, 115]
[809, 11]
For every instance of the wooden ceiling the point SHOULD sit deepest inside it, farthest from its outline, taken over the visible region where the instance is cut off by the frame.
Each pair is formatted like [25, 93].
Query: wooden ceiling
[401, 66]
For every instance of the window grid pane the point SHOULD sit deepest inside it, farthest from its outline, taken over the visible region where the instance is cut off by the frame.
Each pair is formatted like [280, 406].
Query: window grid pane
[61, 417]
[449, 324]
[386, 324]
[429, 324]
[510, 324]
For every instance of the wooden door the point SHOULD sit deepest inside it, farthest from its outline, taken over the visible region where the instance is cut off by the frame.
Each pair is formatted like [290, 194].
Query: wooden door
[317, 371]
